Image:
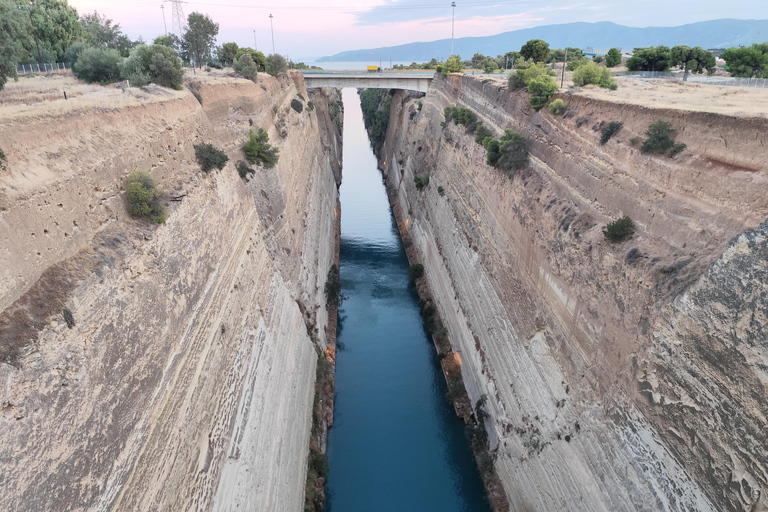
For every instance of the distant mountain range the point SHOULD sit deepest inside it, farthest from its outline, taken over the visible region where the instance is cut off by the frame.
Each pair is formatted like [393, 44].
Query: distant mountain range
[723, 33]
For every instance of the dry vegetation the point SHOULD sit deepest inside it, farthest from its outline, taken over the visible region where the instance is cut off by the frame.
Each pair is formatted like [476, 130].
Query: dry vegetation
[661, 93]
[41, 95]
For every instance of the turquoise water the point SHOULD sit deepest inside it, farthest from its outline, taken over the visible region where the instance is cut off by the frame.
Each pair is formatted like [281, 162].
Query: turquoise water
[396, 444]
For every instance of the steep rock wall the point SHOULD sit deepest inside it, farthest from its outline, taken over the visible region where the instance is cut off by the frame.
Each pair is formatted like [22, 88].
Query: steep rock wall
[188, 379]
[585, 348]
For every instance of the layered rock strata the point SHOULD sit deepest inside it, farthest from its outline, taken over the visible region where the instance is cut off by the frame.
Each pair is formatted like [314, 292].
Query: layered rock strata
[624, 376]
[187, 381]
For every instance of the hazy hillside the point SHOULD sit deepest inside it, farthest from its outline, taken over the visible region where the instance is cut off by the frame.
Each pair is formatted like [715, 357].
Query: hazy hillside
[707, 34]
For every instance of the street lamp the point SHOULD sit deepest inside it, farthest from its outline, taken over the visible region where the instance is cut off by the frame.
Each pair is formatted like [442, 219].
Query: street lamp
[255, 46]
[273, 34]
[162, 6]
[453, 15]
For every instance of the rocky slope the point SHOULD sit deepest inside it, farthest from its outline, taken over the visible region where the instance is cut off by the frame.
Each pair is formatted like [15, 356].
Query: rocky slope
[624, 376]
[187, 381]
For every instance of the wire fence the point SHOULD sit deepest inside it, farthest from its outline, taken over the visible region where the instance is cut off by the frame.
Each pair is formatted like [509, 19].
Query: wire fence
[719, 81]
[42, 68]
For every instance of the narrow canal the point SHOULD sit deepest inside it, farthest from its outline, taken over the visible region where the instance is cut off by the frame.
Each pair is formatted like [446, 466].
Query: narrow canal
[396, 444]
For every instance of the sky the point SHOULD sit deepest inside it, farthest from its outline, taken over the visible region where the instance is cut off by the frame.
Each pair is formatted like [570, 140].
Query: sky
[306, 29]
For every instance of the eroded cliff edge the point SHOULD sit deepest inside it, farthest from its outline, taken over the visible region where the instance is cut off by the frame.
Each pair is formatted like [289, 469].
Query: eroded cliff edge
[618, 376]
[188, 379]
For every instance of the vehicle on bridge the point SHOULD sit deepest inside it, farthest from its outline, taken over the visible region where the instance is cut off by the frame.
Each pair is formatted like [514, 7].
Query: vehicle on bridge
[374, 69]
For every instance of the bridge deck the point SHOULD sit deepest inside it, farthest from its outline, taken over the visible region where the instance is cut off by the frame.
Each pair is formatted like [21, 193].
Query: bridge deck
[414, 81]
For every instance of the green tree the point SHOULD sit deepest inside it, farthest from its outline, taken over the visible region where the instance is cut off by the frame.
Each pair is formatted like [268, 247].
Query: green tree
[453, 65]
[654, 58]
[535, 49]
[245, 67]
[164, 40]
[591, 73]
[513, 151]
[154, 63]
[613, 57]
[659, 138]
[98, 30]
[275, 64]
[227, 53]
[694, 60]
[541, 89]
[200, 36]
[55, 26]
[492, 154]
[98, 65]
[14, 39]
[258, 150]
[619, 230]
[256, 56]
[748, 61]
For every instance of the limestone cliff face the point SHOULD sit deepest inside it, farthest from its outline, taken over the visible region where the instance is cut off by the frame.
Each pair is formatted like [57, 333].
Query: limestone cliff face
[623, 376]
[187, 382]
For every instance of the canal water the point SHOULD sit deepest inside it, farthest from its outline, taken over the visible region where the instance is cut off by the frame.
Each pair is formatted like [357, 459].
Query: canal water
[396, 444]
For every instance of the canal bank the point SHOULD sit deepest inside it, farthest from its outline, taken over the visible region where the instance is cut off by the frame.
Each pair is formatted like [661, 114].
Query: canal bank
[396, 443]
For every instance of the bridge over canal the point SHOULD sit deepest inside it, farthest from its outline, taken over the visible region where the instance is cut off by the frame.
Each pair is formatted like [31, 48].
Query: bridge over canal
[411, 81]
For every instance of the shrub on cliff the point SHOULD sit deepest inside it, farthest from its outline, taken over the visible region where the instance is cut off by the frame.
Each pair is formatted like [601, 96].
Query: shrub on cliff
[619, 230]
[98, 65]
[415, 271]
[513, 151]
[333, 287]
[421, 182]
[154, 63]
[246, 67]
[275, 64]
[297, 105]
[558, 107]
[258, 150]
[209, 156]
[144, 198]
[244, 170]
[660, 139]
[609, 131]
[492, 152]
[541, 88]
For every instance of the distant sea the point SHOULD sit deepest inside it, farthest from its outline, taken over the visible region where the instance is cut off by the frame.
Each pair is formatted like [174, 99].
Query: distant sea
[357, 64]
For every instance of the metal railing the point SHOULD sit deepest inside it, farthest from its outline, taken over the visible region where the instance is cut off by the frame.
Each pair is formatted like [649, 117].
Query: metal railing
[42, 68]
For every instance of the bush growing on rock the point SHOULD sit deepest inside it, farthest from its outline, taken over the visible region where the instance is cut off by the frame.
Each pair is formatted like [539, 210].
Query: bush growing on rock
[421, 182]
[415, 271]
[333, 287]
[558, 107]
[246, 67]
[98, 65]
[258, 150]
[276, 64]
[492, 152]
[513, 151]
[3, 160]
[660, 140]
[541, 89]
[297, 105]
[144, 198]
[154, 63]
[609, 131]
[209, 156]
[244, 170]
[619, 230]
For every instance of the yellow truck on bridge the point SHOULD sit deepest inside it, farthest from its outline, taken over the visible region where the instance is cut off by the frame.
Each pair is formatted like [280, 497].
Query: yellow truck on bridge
[374, 69]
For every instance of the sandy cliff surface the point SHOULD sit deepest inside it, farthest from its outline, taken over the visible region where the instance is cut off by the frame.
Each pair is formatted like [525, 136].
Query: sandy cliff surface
[187, 382]
[623, 376]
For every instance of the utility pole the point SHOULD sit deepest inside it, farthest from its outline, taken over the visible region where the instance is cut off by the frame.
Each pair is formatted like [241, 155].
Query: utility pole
[273, 34]
[162, 8]
[453, 17]
[565, 61]
[255, 46]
